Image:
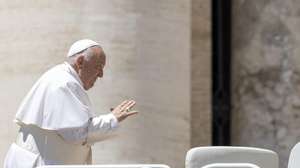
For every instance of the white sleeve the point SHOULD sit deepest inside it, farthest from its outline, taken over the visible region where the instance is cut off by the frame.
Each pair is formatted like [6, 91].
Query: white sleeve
[101, 128]
[98, 129]
[74, 135]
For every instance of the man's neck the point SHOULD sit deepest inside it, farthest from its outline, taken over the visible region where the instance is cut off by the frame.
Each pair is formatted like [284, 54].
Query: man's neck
[73, 66]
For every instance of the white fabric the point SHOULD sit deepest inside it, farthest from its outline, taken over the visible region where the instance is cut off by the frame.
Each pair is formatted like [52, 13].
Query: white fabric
[68, 146]
[110, 166]
[56, 101]
[81, 45]
[202, 156]
[294, 159]
[57, 122]
[230, 165]
[49, 147]
[98, 129]
[18, 157]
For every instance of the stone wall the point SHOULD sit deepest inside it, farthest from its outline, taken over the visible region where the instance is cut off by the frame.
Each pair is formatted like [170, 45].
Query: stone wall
[201, 73]
[148, 48]
[266, 75]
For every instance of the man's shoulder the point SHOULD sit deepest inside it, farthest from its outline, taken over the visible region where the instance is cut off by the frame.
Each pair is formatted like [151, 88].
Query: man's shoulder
[57, 77]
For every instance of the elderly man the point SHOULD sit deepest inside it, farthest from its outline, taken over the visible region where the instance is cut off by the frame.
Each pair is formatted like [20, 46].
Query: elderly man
[57, 123]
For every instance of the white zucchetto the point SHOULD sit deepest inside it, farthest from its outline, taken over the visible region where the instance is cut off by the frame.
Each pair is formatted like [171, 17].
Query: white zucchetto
[81, 45]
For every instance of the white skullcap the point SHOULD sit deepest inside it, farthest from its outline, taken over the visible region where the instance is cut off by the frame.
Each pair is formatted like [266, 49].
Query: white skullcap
[81, 45]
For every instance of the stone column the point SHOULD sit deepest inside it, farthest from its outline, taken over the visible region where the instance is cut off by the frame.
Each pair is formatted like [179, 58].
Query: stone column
[266, 75]
[158, 53]
[201, 73]
[148, 59]
[148, 50]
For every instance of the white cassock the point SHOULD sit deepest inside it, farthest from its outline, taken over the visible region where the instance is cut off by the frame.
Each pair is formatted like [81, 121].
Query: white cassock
[57, 124]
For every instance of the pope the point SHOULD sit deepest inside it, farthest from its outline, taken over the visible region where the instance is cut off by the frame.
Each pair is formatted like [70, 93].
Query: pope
[57, 123]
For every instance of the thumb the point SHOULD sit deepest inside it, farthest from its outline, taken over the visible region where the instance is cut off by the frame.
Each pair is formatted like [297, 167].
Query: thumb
[132, 113]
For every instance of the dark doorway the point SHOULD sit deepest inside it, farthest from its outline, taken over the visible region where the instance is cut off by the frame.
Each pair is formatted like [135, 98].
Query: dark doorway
[221, 55]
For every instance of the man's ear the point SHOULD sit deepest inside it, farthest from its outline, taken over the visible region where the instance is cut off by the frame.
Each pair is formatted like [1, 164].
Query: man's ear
[79, 61]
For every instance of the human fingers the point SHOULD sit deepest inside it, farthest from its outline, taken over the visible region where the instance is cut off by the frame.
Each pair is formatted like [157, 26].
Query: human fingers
[131, 113]
[126, 114]
[129, 105]
[125, 108]
[122, 104]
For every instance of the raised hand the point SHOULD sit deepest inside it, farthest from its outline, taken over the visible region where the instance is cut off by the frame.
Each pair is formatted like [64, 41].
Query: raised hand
[122, 111]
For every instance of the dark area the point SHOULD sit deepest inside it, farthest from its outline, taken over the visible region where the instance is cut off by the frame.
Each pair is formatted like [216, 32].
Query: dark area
[221, 55]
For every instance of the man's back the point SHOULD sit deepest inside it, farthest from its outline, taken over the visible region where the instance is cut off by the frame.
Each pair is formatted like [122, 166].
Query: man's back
[56, 101]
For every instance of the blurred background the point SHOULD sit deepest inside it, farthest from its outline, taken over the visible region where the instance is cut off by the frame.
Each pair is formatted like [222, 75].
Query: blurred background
[203, 72]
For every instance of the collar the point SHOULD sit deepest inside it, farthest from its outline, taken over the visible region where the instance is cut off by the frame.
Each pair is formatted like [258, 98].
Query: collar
[73, 72]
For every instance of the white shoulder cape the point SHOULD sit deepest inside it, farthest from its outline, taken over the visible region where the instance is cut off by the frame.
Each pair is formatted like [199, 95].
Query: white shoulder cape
[56, 101]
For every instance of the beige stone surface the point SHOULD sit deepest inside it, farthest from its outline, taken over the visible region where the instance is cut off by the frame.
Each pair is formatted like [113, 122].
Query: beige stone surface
[266, 78]
[148, 45]
[201, 73]
[158, 54]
